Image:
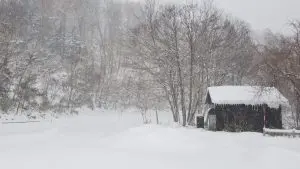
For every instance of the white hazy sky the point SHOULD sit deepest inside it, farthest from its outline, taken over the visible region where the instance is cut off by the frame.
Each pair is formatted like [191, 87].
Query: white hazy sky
[261, 14]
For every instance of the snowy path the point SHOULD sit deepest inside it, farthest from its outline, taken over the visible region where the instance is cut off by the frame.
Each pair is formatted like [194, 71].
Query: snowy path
[113, 141]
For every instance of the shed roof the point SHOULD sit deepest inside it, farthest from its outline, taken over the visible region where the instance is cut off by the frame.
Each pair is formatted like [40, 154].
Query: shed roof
[248, 95]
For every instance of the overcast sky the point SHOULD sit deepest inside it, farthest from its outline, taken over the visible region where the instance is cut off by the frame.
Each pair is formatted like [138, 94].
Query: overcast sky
[261, 14]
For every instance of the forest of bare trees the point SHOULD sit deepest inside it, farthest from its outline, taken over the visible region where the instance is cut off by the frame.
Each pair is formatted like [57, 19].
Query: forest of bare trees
[61, 55]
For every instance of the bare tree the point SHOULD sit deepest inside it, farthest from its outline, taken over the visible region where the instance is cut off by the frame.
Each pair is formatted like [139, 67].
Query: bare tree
[280, 65]
[186, 49]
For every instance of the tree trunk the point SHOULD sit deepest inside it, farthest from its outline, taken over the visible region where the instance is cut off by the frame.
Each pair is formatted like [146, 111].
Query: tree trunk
[156, 113]
[174, 97]
[298, 111]
[191, 81]
[182, 98]
[181, 87]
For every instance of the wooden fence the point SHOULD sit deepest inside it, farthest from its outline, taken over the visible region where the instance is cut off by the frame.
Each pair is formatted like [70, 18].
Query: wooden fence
[279, 132]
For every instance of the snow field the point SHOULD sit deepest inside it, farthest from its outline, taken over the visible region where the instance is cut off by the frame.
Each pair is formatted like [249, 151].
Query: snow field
[113, 140]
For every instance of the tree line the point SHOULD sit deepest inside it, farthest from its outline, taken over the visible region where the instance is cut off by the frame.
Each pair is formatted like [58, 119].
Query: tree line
[61, 55]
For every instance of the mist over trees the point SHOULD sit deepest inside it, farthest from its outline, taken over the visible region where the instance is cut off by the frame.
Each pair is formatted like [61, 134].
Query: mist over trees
[57, 56]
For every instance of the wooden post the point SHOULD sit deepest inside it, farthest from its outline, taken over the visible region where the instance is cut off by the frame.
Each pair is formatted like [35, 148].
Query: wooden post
[264, 111]
[157, 121]
[294, 133]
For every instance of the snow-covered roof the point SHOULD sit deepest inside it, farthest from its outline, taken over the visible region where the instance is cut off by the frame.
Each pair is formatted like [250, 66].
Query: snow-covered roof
[248, 95]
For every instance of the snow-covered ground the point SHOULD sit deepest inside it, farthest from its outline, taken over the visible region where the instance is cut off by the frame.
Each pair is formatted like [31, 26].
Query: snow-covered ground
[114, 140]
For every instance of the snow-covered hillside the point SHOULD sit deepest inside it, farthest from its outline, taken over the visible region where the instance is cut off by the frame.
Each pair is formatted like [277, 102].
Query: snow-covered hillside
[114, 140]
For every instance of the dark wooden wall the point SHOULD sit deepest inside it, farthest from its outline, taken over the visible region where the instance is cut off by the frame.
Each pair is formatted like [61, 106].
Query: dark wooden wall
[246, 118]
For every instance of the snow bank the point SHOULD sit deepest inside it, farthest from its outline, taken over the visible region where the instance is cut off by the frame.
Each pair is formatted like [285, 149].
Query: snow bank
[25, 117]
[248, 95]
[164, 116]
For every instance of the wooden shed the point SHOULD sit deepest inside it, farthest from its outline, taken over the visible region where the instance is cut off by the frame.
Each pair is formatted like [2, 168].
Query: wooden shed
[243, 108]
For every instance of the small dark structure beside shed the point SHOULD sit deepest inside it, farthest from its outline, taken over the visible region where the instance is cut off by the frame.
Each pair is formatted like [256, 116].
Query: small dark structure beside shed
[243, 108]
[200, 121]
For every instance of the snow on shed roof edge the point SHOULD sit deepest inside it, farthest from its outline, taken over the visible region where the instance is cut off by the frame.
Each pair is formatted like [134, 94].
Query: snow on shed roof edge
[248, 95]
